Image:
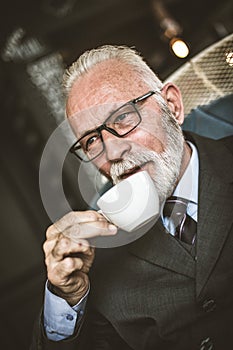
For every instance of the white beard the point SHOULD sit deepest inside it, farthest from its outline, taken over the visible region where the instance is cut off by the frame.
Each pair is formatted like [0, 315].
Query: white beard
[166, 165]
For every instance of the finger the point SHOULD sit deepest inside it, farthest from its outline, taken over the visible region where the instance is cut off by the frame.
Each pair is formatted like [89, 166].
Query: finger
[69, 265]
[71, 219]
[65, 247]
[89, 230]
[61, 274]
[48, 246]
[80, 244]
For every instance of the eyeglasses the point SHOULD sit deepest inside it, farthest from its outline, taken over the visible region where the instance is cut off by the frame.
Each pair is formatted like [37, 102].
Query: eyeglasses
[120, 123]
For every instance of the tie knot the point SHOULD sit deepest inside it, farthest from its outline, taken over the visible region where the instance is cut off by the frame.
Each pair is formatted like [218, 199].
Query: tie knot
[184, 226]
[175, 208]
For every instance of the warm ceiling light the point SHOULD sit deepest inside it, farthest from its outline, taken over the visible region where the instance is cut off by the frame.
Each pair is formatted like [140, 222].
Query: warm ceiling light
[229, 58]
[179, 47]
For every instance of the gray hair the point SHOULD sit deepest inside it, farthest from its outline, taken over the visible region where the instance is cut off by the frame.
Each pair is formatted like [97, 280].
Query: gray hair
[126, 55]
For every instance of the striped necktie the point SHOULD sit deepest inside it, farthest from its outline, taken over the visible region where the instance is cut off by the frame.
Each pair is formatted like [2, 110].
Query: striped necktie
[185, 228]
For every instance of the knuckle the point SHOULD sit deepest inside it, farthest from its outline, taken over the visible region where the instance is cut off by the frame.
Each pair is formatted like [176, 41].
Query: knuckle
[47, 261]
[73, 264]
[49, 231]
[103, 224]
[64, 243]
[69, 264]
[87, 215]
[79, 264]
[52, 231]
[57, 252]
[45, 247]
[92, 215]
[72, 216]
[68, 217]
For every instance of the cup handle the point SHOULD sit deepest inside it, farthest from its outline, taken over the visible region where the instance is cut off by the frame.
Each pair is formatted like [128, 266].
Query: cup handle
[100, 211]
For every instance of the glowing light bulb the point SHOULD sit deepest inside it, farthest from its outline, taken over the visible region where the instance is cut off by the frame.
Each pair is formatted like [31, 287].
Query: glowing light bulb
[229, 58]
[179, 47]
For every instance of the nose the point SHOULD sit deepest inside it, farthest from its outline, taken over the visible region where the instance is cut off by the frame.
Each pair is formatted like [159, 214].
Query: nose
[115, 147]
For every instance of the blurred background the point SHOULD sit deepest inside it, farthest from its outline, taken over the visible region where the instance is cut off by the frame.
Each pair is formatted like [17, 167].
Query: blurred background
[38, 39]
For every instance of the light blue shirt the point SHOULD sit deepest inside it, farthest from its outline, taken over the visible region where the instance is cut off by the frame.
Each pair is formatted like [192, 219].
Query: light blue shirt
[59, 317]
[187, 188]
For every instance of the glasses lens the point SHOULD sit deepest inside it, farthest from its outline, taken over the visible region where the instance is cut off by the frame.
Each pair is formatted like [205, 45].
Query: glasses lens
[124, 119]
[89, 146]
[120, 122]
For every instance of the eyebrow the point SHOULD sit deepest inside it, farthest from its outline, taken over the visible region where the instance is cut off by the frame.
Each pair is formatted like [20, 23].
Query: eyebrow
[89, 131]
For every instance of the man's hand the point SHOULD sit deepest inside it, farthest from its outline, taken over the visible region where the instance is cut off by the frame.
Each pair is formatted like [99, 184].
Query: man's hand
[68, 255]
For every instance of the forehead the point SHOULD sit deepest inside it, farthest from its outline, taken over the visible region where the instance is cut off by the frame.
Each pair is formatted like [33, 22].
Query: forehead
[96, 94]
[108, 82]
[88, 119]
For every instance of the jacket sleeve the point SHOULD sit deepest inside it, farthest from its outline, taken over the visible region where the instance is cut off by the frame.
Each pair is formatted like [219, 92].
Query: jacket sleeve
[95, 333]
[41, 342]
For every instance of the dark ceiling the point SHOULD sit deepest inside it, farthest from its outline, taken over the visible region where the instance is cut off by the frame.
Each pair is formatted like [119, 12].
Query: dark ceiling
[37, 40]
[72, 26]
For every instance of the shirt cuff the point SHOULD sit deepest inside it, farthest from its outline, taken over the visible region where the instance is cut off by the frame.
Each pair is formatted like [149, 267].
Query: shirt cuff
[59, 317]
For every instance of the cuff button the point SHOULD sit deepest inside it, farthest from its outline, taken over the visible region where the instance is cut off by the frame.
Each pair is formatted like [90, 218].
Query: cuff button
[69, 317]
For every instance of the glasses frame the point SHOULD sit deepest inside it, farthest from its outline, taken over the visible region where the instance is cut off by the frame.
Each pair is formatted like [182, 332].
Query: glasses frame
[103, 126]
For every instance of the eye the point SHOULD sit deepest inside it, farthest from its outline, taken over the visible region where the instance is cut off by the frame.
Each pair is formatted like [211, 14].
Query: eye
[90, 141]
[120, 118]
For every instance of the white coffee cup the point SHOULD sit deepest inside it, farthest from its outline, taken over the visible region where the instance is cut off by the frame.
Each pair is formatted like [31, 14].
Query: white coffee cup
[131, 203]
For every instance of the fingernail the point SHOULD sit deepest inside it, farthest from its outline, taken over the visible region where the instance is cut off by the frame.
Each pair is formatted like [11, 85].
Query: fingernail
[112, 228]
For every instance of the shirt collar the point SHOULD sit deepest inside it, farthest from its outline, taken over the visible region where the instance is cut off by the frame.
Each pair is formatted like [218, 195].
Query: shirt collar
[188, 185]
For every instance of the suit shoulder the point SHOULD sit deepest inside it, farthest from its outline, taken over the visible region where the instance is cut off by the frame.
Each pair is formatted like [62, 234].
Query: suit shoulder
[208, 142]
[228, 142]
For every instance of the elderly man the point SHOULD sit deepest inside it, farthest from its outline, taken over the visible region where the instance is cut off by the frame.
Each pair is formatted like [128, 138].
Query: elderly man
[161, 291]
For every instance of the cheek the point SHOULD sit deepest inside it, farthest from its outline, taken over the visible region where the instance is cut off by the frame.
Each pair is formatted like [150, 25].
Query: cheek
[140, 138]
[152, 141]
[150, 132]
[103, 165]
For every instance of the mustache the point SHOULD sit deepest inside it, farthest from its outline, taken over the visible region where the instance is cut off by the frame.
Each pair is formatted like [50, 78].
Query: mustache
[132, 161]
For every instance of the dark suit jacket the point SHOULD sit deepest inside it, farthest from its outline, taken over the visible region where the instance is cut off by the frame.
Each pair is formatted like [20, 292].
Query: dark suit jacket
[155, 293]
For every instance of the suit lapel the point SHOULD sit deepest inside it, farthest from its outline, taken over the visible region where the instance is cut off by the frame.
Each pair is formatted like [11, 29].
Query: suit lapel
[214, 209]
[160, 248]
[214, 219]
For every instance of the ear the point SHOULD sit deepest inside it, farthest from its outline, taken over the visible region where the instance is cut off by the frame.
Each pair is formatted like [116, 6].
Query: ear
[172, 95]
